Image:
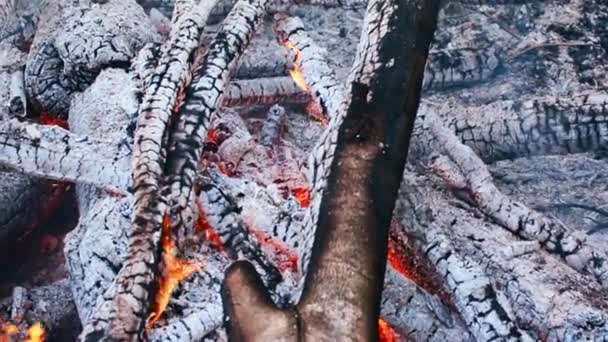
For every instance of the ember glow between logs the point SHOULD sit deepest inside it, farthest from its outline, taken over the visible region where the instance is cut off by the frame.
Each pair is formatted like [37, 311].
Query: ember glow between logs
[296, 74]
[174, 271]
[386, 333]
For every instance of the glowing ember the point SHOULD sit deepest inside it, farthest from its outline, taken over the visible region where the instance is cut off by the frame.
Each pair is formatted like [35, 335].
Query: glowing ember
[398, 261]
[302, 195]
[174, 271]
[212, 136]
[36, 333]
[7, 331]
[202, 225]
[314, 109]
[386, 333]
[286, 259]
[179, 101]
[10, 332]
[48, 119]
[296, 73]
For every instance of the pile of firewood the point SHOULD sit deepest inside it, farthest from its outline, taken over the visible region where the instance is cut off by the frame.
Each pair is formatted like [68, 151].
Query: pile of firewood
[199, 134]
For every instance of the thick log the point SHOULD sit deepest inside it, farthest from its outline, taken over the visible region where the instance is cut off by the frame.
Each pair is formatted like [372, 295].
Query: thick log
[542, 126]
[263, 91]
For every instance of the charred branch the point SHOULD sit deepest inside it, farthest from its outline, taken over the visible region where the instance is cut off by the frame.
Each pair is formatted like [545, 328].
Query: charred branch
[346, 200]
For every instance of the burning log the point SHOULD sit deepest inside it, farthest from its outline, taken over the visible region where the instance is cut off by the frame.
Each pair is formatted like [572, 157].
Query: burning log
[126, 304]
[203, 97]
[514, 216]
[311, 68]
[339, 212]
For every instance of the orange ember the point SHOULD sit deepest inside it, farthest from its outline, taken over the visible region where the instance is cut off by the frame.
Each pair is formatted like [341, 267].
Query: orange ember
[202, 225]
[302, 195]
[314, 109]
[179, 101]
[174, 271]
[7, 331]
[398, 261]
[286, 258]
[212, 136]
[296, 73]
[386, 333]
[48, 119]
[10, 332]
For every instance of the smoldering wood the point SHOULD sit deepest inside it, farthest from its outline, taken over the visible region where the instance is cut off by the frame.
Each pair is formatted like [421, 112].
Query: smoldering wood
[324, 302]
[437, 233]
[51, 304]
[417, 314]
[204, 96]
[516, 217]
[122, 313]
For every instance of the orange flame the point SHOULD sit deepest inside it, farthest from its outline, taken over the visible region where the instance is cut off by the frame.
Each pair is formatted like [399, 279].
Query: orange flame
[7, 331]
[386, 333]
[296, 74]
[175, 270]
[36, 333]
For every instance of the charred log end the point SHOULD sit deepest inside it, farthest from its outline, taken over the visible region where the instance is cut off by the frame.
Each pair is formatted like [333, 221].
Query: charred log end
[253, 316]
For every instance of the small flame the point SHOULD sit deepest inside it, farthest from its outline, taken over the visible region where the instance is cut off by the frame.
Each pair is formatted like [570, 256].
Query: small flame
[175, 271]
[36, 333]
[212, 136]
[302, 195]
[386, 333]
[296, 74]
[7, 331]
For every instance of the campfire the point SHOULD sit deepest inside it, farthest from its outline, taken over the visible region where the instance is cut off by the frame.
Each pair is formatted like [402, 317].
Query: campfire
[244, 170]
